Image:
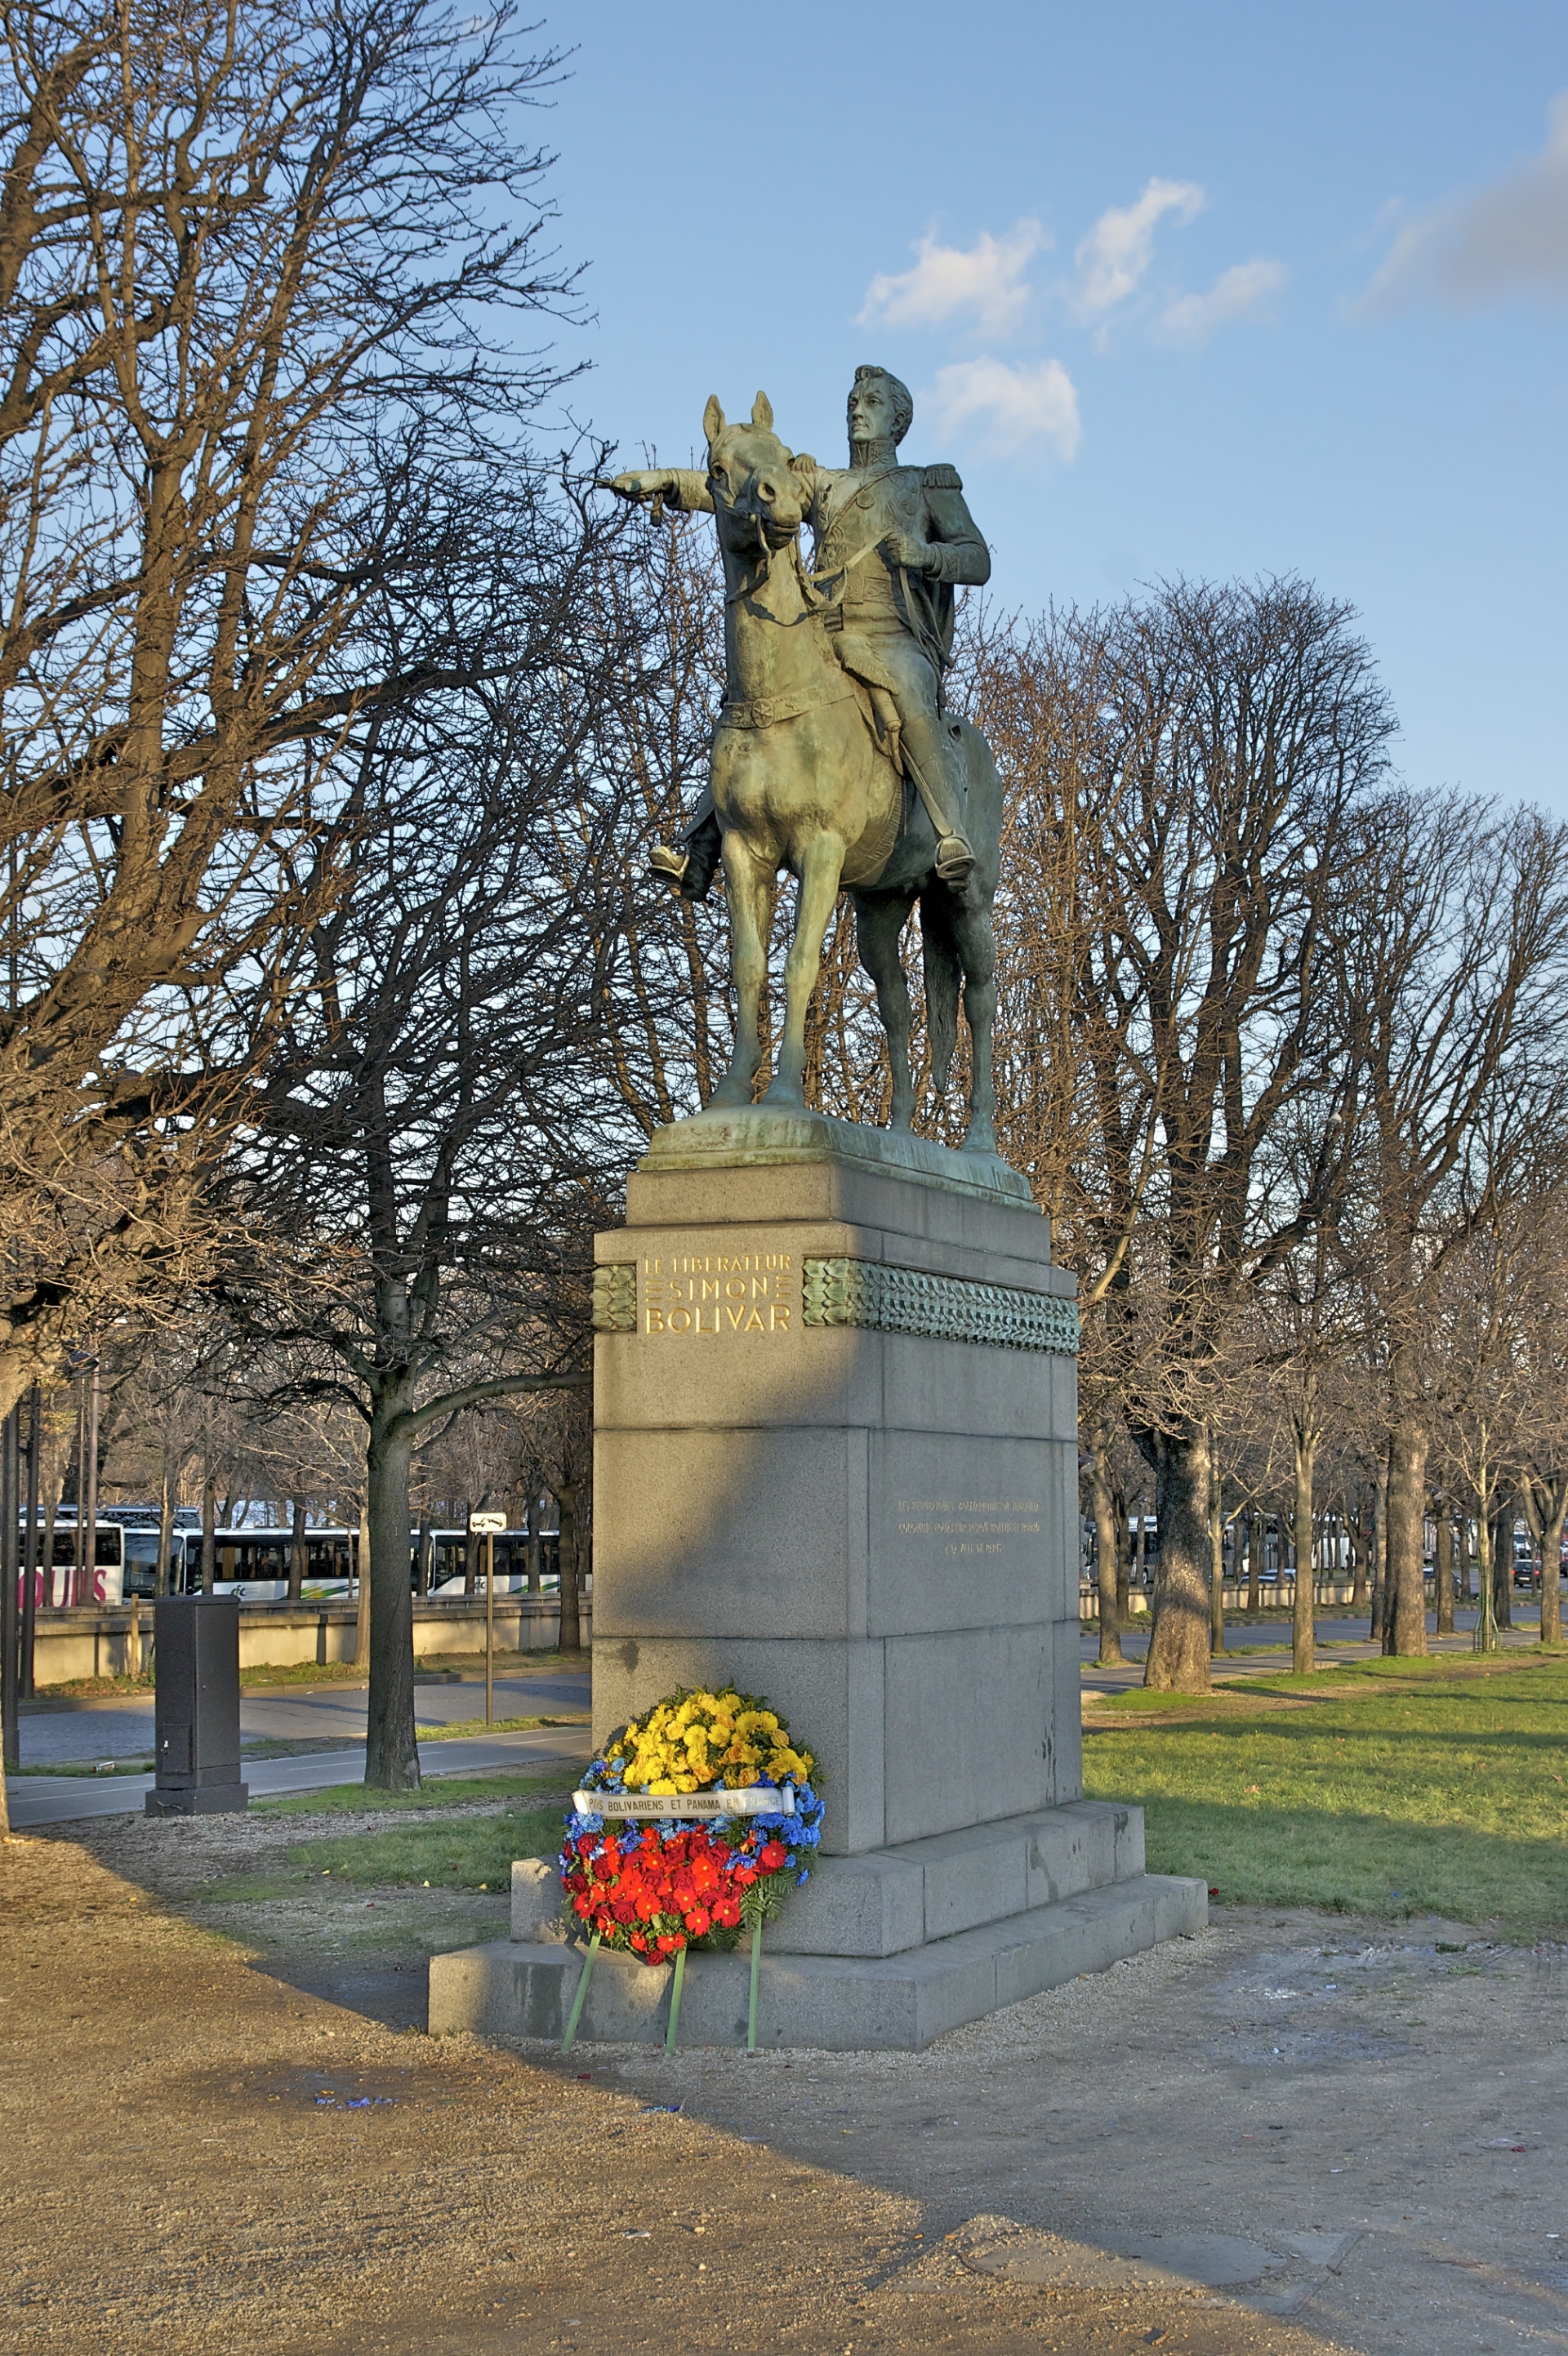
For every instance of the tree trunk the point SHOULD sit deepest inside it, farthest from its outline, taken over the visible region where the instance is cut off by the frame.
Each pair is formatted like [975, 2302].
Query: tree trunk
[1502, 1565]
[90, 1543]
[1108, 1557]
[1443, 1568]
[298, 1553]
[1304, 1620]
[1486, 1618]
[52, 1511]
[1179, 1642]
[1216, 1562]
[30, 1550]
[533, 1575]
[165, 1532]
[426, 1549]
[1404, 1614]
[1139, 1563]
[361, 1562]
[209, 1529]
[1550, 1565]
[392, 1752]
[1358, 1550]
[1380, 1564]
[570, 1639]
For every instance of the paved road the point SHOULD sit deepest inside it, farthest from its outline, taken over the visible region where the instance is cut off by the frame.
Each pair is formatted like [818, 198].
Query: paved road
[61, 1799]
[120, 1727]
[1349, 1638]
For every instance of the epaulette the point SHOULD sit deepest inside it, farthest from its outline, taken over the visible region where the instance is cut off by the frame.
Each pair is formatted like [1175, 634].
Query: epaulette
[941, 478]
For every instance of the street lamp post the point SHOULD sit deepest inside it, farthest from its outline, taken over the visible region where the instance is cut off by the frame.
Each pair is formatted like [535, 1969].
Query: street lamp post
[485, 1525]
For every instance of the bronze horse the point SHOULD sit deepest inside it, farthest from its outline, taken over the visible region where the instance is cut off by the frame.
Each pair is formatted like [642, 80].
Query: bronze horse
[807, 776]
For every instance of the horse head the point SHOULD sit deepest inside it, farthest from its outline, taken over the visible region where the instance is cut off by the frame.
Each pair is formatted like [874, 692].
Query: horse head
[756, 491]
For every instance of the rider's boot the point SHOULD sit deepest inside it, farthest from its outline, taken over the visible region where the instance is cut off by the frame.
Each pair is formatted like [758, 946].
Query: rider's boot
[689, 863]
[924, 739]
[955, 862]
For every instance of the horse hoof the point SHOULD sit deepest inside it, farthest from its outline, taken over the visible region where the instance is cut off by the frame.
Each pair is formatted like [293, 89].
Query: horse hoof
[728, 1093]
[982, 1137]
[784, 1098]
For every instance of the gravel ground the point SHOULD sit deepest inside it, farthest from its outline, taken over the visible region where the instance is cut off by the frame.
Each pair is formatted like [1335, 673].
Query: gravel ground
[239, 2142]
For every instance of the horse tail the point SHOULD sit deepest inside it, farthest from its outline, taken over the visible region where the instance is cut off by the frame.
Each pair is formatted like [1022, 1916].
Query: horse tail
[944, 975]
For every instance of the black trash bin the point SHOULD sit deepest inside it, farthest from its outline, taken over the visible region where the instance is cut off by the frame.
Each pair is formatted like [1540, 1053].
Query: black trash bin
[197, 1724]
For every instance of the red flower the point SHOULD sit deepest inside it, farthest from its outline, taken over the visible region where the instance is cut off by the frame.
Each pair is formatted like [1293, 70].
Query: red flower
[745, 1875]
[697, 1921]
[774, 1854]
[726, 1912]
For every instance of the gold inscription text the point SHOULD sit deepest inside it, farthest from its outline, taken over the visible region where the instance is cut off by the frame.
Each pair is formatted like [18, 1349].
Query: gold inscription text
[716, 1293]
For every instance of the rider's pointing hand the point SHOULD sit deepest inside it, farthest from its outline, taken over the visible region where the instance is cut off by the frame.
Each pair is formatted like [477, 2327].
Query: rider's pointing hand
[646, 484]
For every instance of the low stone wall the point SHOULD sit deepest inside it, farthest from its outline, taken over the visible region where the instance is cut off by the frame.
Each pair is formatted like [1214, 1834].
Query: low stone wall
[94, 1641]
[1332, 1595]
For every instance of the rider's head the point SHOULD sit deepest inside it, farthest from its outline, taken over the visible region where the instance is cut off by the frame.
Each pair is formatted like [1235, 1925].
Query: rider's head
[880, 407]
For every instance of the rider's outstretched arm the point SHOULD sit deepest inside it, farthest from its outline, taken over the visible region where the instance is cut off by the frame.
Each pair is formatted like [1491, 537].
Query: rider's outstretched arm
[678, 487]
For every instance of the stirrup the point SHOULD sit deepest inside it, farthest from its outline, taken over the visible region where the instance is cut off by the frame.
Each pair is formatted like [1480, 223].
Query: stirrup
[955, 861]
[673, 865]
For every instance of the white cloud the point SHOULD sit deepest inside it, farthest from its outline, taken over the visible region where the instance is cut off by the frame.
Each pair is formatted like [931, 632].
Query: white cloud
[1235, 295]
[987, 284]
[1509, 238]
[1033, 403]
[1121, 246]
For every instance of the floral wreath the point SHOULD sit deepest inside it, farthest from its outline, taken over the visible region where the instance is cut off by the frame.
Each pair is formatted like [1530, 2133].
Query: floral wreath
[660, 1884]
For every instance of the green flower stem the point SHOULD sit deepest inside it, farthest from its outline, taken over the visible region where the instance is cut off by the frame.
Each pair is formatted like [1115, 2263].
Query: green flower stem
[676, 1988]
[578, 2000]
[751, 2009]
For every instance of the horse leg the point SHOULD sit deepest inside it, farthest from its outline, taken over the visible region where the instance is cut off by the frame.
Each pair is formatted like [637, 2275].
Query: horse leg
[749, 889]
[976, 939]
[820, 871]
[879, 922]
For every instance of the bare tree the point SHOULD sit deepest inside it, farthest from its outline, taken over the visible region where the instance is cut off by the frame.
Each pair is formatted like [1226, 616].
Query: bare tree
[1203, 753]
[436, 1138]
[1451, 992]
[244, 258]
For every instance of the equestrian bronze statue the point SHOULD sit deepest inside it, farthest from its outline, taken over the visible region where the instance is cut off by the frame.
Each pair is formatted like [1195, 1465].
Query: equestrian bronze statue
[836, 756]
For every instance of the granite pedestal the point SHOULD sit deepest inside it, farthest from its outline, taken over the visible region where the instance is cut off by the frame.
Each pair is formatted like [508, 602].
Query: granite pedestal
[835, 1462]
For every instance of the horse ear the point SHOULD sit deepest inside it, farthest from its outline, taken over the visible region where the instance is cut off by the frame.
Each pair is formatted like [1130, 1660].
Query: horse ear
[762, 413]
[712, 419]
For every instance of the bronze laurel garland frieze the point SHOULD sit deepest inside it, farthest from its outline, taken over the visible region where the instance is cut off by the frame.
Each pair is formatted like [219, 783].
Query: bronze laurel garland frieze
[614, 1298]
[890, 1301]
[948, 1308]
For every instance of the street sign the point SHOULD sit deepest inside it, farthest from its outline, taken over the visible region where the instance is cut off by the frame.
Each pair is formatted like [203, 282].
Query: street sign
[487, 1524]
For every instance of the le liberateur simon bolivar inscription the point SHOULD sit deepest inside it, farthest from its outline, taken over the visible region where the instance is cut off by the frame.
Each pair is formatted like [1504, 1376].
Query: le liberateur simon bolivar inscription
[717, 1292]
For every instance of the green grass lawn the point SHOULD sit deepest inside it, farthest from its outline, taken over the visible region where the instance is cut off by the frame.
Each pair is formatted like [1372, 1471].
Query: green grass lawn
[451, 1853]
[463, 1729]
[1442, 1788]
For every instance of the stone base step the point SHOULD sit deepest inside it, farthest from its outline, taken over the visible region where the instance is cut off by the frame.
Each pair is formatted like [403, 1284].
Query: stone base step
[838, 2004]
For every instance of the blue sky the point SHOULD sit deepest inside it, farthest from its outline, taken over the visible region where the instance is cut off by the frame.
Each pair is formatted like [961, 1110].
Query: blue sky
[1216, 290]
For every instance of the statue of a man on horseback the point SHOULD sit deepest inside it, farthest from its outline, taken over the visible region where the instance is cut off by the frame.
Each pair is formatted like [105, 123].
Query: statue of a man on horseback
[835, 756]
[892, 545]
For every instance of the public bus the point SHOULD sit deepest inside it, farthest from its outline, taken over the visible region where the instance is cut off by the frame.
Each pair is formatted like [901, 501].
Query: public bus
[253, 1563]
